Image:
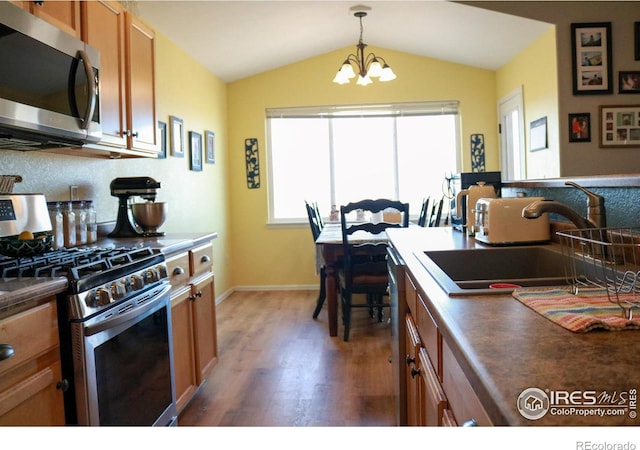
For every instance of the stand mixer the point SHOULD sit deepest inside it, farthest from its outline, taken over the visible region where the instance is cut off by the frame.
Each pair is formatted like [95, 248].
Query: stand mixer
[125, 189]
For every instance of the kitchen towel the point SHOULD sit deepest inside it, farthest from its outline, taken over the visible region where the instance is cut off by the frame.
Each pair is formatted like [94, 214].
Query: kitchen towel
[589, 310]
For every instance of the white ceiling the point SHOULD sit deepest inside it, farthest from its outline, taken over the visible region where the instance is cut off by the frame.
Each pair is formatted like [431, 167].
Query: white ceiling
[236, 39]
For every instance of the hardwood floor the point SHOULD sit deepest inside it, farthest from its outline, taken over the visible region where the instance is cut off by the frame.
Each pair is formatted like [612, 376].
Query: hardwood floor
[279, 367]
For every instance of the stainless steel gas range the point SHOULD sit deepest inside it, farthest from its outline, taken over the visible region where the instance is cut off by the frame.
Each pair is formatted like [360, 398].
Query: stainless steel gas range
[115, 329]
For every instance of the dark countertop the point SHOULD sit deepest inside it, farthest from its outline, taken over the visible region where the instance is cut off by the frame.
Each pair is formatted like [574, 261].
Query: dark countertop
[504, 347]
[20, 294]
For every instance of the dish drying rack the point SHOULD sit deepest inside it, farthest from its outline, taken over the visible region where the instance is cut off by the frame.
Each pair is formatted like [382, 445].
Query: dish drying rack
[606, 258]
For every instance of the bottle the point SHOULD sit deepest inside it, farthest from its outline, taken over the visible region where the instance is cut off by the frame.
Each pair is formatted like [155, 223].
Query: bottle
[92, 224]
[69, 224]
[334, 215]
[57, 226]
[81, 222]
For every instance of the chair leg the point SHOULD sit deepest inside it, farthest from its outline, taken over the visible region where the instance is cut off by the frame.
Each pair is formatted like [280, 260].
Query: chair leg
[322, 295]
[346, 314]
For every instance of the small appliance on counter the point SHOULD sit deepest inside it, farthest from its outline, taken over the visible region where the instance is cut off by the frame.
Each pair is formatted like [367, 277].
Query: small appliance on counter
[463, 181]
[499, 221]
[137, 219]
[23, 212]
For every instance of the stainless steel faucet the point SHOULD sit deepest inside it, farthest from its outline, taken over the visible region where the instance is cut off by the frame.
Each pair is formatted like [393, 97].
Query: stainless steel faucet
[596, 214]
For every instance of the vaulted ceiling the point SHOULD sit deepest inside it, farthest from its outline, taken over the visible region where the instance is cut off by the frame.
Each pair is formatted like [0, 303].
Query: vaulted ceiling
[236, 39]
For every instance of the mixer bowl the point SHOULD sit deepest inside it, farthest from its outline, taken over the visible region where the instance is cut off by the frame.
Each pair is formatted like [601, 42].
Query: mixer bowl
[150, 215]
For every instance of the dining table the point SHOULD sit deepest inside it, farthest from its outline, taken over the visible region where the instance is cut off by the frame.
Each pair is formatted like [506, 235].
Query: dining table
[329, 250]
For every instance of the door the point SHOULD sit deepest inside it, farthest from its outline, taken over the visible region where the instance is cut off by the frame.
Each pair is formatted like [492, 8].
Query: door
[512, 148]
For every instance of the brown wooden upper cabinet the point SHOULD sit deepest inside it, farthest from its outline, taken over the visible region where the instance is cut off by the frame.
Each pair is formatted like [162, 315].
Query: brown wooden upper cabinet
[127, 76]
[64, 15]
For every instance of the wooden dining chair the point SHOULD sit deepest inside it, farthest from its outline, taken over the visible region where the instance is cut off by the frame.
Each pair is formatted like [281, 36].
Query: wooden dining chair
[424, 211]
[364, 266]
[316, 224]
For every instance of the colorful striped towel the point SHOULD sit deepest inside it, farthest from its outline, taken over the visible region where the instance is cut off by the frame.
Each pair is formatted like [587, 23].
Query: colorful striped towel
[589, 310]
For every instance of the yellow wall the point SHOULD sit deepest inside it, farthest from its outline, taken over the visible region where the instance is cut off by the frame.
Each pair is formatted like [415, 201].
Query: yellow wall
[197, 200]
[270, 256]
[535, 69]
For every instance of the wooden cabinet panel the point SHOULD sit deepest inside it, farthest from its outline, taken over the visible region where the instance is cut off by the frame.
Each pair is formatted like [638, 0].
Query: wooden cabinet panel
[141, 94]
[29, 380]
[410, 293]
[183, 346]
[35, 401]
[201, 260]
[433, 396]
[104, 29]
[204, 327]
[461, 397]
[413, 385]
[18, 332]
[178, 268]
[64, 15]
[429, 334]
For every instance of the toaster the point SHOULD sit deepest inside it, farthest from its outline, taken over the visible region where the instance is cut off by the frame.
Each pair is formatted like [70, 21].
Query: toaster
[499, 221]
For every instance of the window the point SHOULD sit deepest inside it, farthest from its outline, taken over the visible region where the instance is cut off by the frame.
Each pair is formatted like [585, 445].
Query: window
[334, 155]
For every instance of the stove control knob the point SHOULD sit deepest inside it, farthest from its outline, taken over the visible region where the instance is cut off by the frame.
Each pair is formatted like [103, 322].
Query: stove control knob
[137, 282]
[153, 275]
[91, 299]
[118, 290]
[103, 296]
[162, 271]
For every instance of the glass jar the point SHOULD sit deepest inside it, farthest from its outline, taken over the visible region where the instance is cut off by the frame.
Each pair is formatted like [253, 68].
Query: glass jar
[92, 224]
[69, 224]
[81, 222]
[57, 225]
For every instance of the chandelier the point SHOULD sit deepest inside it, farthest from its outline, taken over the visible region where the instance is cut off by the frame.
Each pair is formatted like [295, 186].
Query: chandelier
[370, 67]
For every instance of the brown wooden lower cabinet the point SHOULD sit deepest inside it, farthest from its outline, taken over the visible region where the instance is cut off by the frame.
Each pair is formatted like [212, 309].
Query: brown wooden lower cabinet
[193, 317]
[438, 392]
[31, 380]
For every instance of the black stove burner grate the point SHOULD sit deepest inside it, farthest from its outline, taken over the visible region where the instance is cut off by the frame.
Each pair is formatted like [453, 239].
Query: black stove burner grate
[74, 263]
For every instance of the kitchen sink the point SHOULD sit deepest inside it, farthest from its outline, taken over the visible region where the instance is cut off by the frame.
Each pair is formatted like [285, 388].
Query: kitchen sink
[473, 271]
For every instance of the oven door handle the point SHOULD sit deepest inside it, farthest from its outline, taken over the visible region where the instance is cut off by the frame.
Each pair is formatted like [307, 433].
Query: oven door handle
[128, 315]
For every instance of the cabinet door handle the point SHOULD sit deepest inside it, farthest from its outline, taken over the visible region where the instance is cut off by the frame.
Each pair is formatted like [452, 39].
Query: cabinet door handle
[410, 360]
[178, 271]
[205, 259]
[63, 385]
[199, 294]
[414, 372]
[6, 351]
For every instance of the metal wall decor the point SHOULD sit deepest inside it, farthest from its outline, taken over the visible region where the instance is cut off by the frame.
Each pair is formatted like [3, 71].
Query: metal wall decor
[252, 162]
[477, 153]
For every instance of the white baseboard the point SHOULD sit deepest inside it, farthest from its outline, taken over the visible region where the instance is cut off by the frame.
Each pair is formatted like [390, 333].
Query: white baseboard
[249, 288]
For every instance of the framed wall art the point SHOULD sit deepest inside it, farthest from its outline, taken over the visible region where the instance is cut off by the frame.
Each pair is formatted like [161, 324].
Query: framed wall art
[591, 45]
[629, 82]
[538, 134]
[252, 162]
[176, 128]
[195, 151]
[636, 39]
[619, 126]
[210, 147]
[162, 139]
[580, 127]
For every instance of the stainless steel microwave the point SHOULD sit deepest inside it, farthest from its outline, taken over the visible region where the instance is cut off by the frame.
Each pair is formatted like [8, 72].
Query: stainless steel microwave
[49, 85]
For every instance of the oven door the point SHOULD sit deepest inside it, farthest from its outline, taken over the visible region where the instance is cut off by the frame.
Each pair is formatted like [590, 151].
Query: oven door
[123, 364]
